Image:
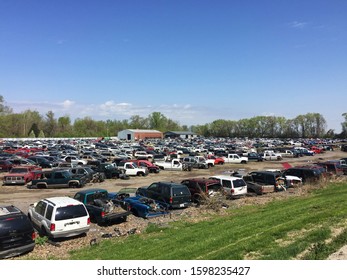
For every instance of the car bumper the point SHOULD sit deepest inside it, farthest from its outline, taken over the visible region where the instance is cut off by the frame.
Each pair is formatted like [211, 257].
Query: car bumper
[13, 252]
[71, 233]
[181, 205]
[14, 182]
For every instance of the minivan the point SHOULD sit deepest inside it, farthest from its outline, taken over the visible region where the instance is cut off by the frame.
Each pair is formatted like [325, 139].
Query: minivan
[17, 234]
[174, 194]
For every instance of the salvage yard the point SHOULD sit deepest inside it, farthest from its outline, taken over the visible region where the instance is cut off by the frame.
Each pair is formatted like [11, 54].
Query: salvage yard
[22, 197]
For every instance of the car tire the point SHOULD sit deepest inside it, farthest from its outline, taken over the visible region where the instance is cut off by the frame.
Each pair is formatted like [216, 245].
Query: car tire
[43, 232]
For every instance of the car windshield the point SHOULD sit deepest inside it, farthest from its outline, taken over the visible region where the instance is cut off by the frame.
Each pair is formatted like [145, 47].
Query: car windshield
[19, 170]
[70, 212]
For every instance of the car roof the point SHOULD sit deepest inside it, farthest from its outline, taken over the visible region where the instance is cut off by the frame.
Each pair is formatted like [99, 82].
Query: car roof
[9, 210]
[173, 184]
[85, 191]
[225, 177]
[266, 172]
[201, 180]
[62, 201]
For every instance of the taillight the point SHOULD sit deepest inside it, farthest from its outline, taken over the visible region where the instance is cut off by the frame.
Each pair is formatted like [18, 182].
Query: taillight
[33, 235]
[171, 200]
[102, 214]
[52, 227]
[232, 190]
[88, 221]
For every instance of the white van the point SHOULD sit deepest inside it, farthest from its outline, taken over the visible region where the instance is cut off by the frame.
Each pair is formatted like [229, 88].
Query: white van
[233, 186]
[58, 217]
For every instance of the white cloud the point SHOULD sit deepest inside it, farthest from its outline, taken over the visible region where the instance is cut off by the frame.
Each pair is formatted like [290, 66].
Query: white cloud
[298, 24]
[182, 113]
[67, 104]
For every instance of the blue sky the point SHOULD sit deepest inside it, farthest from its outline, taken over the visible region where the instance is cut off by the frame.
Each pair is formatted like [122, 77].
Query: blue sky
[194, 61]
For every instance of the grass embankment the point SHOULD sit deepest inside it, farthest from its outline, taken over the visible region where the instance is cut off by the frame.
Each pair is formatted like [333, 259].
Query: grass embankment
[308, 227]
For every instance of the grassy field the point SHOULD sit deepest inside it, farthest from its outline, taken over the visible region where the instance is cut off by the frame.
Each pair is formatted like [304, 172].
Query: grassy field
[308, 227]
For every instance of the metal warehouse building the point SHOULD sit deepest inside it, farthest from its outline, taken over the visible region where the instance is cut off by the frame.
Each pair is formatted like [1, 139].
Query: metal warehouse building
[180, 134]
[139, 134]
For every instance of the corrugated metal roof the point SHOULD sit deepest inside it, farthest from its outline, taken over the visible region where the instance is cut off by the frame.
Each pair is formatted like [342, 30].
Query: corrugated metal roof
[181, 132]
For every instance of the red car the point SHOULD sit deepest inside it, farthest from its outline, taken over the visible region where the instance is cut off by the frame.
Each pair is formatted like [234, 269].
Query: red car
[317, 150]
[21, 175]
[217, 160]
[200, 188]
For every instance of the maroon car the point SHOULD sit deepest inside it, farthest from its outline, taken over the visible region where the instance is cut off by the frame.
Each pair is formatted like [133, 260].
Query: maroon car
[200, 188]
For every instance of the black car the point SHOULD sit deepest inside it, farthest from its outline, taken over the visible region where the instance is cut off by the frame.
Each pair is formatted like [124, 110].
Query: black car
[174, 194]
[41, 161]
[110, 171]
[254, 157]
[308, 173]
[88, 172]
[17, 235]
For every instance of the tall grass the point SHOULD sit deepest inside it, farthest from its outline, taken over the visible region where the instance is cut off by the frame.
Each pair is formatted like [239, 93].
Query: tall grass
[297, 227]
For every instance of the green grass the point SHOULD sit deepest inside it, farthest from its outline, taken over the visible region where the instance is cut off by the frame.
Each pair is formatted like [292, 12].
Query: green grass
[293, 228]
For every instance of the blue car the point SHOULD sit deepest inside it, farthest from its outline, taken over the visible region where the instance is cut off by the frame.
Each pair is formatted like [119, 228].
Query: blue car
[147, 207]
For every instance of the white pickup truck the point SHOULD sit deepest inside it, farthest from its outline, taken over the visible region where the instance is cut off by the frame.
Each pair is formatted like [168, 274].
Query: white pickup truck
[131, 169]
[209, 162]
[271, 155]
[173, 165]
[235, 158]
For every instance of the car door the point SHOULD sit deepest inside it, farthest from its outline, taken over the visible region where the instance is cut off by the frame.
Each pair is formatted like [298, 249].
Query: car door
[59, 179]
[39, 212]
[153, 191]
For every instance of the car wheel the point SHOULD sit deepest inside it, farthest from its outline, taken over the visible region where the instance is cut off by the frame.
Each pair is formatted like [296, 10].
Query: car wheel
[135, 212]
[72, 185]
[43, 232]
[41, 186]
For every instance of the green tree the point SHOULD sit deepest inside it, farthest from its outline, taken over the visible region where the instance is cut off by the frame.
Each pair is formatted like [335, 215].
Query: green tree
[138, 122]
[41, 134]
[32, 134]
[64, 127]
[50, 124]
[157, 121]
[28, 119]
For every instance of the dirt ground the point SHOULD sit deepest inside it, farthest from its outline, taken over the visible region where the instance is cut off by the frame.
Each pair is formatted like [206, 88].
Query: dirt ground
[22, 197]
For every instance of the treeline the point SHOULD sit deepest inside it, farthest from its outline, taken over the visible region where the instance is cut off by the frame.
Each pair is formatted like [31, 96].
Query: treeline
[32, 124]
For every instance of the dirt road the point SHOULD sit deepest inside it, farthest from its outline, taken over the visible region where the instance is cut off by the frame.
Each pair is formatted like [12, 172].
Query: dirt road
[22, 197]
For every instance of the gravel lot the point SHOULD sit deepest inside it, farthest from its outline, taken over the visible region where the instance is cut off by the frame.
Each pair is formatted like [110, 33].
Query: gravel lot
[22, 197]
